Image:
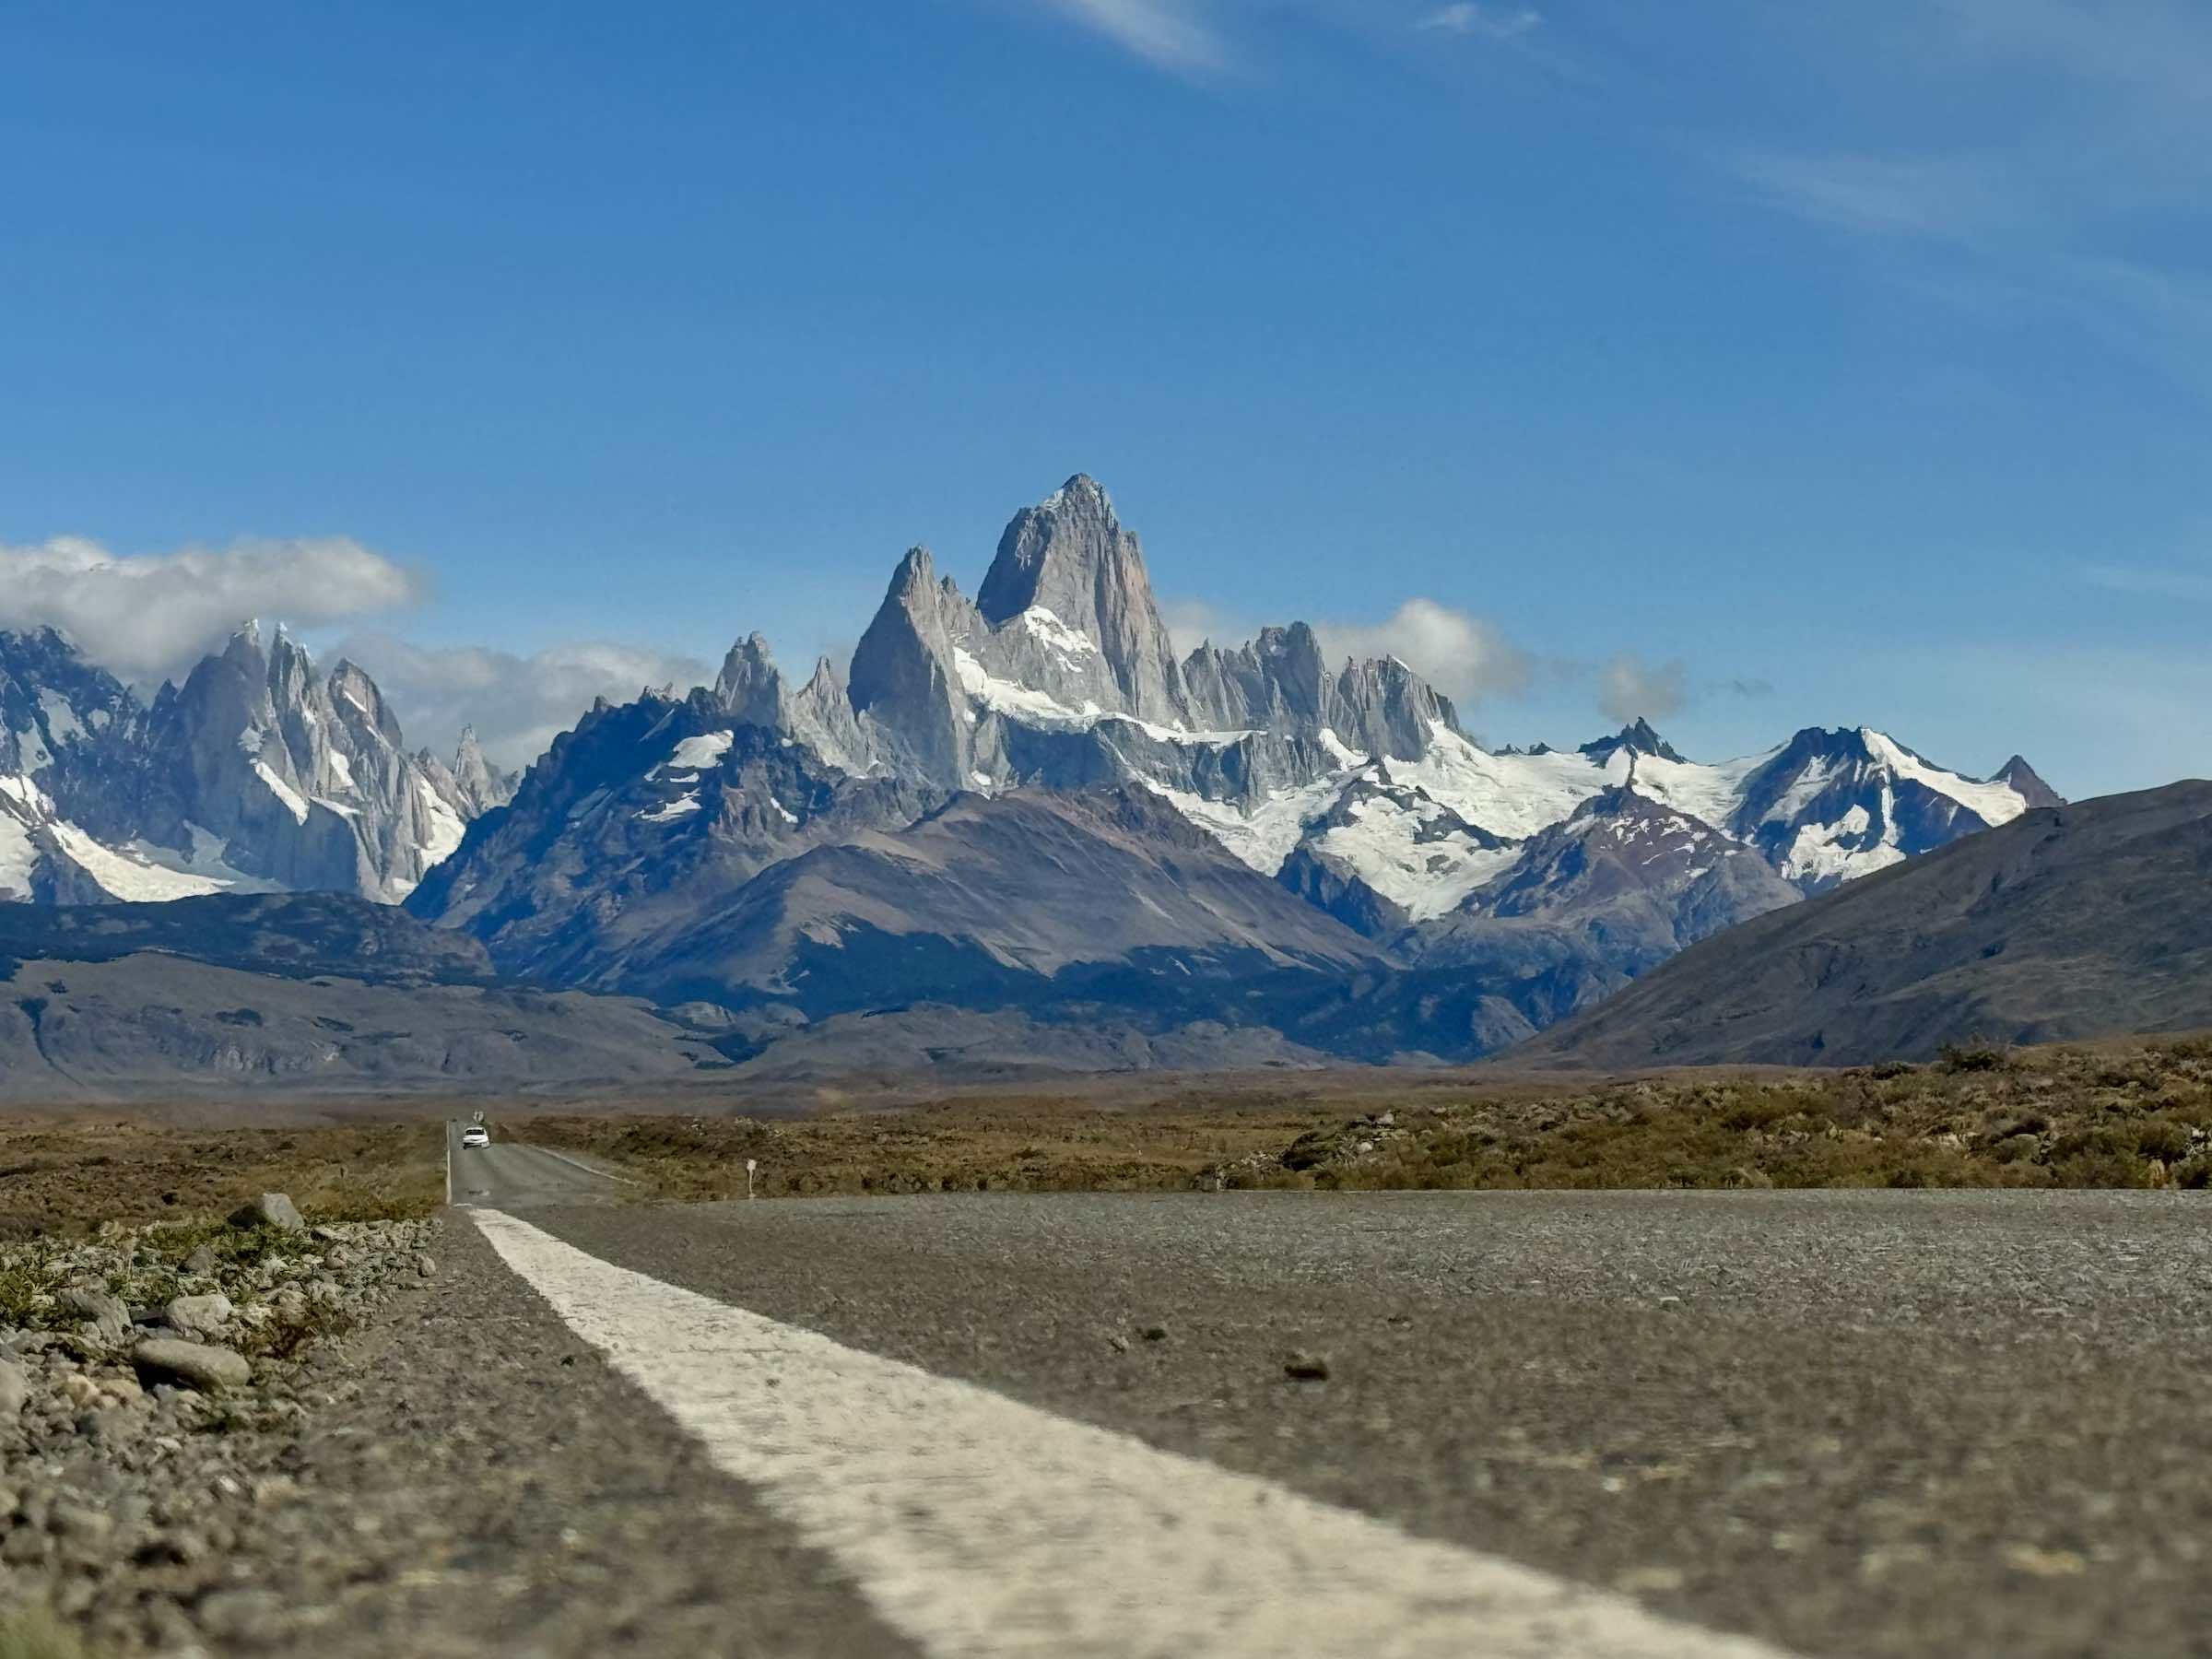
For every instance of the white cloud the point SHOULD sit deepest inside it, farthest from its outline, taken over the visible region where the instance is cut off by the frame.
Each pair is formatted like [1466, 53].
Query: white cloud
[1630, 689]
[1168, 33]
[1463, 656]
[1491, 22]
[518, 704]
[150, 616]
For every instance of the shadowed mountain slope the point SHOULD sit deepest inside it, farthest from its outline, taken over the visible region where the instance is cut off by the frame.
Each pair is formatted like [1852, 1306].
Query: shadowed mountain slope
[2070, 922]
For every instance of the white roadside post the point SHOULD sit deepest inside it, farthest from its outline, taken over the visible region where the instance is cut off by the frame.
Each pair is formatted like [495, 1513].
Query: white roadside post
[750, 1165]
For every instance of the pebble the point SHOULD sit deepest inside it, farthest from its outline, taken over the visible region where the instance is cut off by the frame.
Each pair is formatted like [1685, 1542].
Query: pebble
[15, 1388]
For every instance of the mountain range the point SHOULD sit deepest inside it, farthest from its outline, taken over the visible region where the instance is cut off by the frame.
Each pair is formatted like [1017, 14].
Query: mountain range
[1025, 805]
[1028, 799]
[257, 775]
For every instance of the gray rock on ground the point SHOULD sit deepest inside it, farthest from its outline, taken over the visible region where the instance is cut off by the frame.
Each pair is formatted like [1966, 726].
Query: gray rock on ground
[199, 1316]
[195, 1364]
[95, 1305]
[271, 1209]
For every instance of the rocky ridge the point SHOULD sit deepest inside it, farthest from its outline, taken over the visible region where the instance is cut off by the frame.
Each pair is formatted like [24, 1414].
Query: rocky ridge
[257, 775]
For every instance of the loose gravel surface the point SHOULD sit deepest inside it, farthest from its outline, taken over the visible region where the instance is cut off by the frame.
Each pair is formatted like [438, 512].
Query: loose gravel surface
[1925, 1424]
[1851, 1423]
[456, 1476]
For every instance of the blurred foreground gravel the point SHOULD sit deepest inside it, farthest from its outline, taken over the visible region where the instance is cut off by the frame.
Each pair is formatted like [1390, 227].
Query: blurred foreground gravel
[442, 1469]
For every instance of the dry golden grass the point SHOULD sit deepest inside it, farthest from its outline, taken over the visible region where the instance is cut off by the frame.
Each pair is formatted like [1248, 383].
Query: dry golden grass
[61, 1174]
[2110, 1114]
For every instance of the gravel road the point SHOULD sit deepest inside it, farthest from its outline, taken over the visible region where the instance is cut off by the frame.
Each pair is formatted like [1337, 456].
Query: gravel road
[1864, 1423]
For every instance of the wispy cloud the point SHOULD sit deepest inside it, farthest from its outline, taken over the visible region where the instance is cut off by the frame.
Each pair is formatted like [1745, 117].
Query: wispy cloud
[1465, 656]
[152, 615]
[1629, 688]
[2091, 144]
[1491, 22]
[2163, 584]
[1172, 34]
[517, 703]
[1952, 197]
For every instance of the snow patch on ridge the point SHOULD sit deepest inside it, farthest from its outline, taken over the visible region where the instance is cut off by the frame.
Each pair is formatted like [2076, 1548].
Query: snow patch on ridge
[444, 827]
[60, 718]
[1017, 701]
[697, 754]
[1049, 630]
[1264, 836]
[1994, 804]
[1426, 879]
[1511, 795]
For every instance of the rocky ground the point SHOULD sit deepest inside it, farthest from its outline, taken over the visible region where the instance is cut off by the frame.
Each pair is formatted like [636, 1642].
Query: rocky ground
[149, 1378]
[421, 1461]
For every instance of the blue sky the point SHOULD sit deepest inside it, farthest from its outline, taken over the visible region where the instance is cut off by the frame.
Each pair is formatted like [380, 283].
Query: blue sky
[1760, 366]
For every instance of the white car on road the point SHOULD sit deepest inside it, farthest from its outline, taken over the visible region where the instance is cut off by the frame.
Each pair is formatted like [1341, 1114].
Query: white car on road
[476, 1135]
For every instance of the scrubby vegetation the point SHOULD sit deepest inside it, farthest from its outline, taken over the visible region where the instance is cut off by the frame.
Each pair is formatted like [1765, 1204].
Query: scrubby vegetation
[2127, 1114]
[67, 1175]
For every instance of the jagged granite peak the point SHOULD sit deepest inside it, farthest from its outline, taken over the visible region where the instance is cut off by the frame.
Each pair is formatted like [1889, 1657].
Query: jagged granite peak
[905, 674]
[1637, 739]
[2023, 780]
[1281, 681]
[1382, 706]
[478, 785]
[749, 685]
[361, 704]
[1070, 558]
[257, 774]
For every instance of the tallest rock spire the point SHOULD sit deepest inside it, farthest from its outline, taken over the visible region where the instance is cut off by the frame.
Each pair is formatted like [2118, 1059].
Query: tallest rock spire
[1069, 555]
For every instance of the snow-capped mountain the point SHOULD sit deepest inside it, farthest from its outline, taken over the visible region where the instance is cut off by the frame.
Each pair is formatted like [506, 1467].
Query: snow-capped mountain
[258, 775]
[1352, 785]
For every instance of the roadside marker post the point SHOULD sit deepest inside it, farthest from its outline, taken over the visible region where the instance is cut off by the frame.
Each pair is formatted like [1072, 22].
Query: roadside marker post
[750, 1165]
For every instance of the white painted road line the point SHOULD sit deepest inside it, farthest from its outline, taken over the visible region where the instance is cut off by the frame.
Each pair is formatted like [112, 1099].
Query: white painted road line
[981, 1527]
